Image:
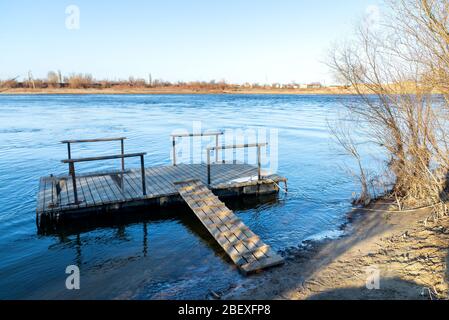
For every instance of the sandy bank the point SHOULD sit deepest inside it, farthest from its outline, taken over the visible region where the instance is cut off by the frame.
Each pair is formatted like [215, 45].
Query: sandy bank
[412, 258]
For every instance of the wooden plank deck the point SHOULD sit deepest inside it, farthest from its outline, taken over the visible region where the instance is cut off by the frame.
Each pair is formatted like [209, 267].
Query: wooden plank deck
[244, 248]
[109, 190]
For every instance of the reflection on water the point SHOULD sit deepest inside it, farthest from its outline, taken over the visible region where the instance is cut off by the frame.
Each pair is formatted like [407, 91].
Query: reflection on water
[179, 213]
[162, 253]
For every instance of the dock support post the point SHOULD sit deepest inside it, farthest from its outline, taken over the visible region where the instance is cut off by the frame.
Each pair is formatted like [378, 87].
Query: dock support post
[75, 191]
[208, 167]
[259, 171]
[142, 168]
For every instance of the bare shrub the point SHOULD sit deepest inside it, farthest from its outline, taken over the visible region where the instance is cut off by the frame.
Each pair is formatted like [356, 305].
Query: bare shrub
[395, 70]
[80, 80]
[8, 84]
[138, 83]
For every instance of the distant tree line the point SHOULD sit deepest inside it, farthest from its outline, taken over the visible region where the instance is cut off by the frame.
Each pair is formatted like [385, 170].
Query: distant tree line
[55, 79]
[86, 81]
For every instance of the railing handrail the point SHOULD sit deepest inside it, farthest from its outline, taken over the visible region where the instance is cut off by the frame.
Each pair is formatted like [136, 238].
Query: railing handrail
[70, 142]
[94, 140]
[71, 162]
[236, 146]
[205, 134]
[217, 134]
[110, 157]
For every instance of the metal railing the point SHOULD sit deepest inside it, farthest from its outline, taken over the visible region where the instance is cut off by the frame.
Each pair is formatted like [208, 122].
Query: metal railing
[237, 146]
[72, 162]
[122, 146]
[217, 135]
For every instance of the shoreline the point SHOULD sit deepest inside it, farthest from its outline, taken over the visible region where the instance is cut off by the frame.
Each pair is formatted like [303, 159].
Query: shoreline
[411, 257]
[177, 91]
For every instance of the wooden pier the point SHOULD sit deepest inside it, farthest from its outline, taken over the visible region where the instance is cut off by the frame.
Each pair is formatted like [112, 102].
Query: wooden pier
[105, 192]
[244, 248]
[79, 196]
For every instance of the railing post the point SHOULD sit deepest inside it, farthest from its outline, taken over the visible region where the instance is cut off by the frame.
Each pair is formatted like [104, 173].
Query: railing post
[223, 153]
[75, 191]
[216, 148]
[259, 171]
[122, 145]
[174, 150]
[142, 168]
[122, 179]
[69, 154]
[208, 167]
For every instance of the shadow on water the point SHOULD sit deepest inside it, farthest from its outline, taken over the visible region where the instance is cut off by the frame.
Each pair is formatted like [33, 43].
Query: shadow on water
[120, 221]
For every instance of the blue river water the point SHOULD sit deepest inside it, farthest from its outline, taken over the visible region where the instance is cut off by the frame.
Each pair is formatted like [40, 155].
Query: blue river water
[163, 255]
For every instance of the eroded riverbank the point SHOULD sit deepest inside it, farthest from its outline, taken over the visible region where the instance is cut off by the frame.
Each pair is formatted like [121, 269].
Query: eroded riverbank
[410, 256]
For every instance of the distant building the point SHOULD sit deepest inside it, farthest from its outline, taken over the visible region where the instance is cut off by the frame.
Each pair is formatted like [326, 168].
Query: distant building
[314, 85]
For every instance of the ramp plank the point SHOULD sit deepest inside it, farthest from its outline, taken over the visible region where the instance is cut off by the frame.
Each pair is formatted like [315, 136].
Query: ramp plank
[249, 253]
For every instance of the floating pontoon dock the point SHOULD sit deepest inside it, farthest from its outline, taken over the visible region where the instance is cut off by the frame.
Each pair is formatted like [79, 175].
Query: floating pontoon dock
[77, 196]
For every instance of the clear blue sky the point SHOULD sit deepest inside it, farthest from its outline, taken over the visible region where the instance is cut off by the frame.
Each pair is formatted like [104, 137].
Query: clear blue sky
[236, 40]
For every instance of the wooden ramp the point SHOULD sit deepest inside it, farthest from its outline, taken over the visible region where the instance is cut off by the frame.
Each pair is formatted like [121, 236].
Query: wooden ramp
[245, 248]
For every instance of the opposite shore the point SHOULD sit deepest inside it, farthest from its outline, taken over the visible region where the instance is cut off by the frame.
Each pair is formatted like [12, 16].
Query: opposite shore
[172, 90]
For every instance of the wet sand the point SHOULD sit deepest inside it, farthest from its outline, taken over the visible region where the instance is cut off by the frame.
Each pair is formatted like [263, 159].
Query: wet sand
[410, 254]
